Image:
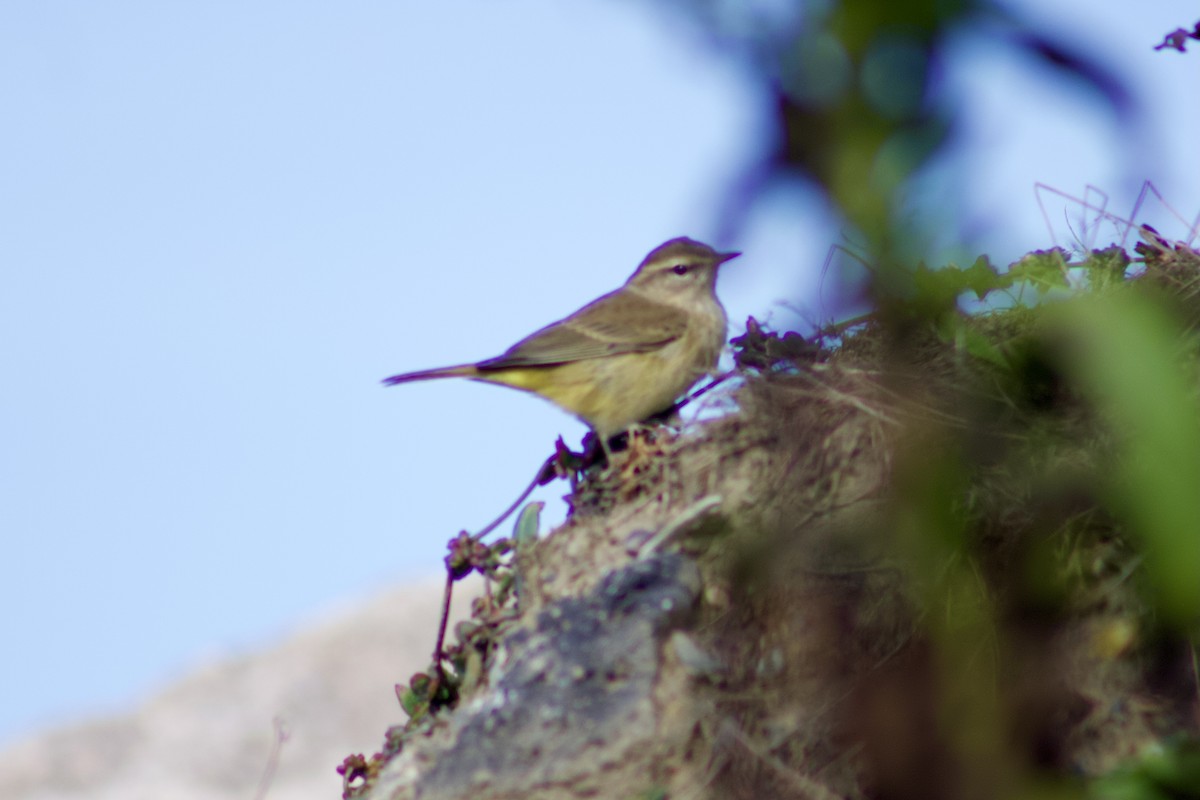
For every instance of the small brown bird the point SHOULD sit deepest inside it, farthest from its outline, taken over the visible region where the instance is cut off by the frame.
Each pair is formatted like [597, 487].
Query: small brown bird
[624, 356]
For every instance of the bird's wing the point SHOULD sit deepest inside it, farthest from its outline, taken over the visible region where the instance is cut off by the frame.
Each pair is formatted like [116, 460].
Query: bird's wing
[620, 322]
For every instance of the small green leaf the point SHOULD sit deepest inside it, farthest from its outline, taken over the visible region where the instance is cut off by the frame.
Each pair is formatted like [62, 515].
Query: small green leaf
[525, 531]
[1043, 269]
[1106, 268]
[982, 278]
[410, 701]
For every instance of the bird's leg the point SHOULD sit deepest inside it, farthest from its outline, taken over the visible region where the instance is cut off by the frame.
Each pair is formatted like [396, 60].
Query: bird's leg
[669, 417]
[597, 450]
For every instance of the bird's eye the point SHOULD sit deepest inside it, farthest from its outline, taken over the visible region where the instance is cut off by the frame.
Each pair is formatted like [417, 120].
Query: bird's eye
[680, 269]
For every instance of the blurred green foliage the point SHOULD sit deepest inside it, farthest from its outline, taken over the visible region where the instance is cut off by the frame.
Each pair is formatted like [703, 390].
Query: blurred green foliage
[857, 109]
[1128, 354]
[1170, 772]
[857, 115]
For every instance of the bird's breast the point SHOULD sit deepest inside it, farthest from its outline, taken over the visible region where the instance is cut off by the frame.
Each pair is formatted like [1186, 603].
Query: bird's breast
[628, 388]
[611, 393]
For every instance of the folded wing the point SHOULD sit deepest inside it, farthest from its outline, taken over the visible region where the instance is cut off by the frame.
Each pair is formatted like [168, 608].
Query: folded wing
[621, 322]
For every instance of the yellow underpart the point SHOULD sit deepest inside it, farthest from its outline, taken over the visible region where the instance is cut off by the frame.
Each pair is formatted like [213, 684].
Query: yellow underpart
[608, 393]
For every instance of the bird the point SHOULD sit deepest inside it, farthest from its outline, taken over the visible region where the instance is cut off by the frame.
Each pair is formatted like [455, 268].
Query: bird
[625, 356]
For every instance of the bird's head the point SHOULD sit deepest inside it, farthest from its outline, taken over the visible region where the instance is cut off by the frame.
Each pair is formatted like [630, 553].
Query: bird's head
[679, 270]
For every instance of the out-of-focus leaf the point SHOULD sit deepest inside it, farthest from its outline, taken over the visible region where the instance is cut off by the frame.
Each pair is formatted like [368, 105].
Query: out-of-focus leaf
[979, 346]
[525, 531]
[982, 279]
[1106, 268]
[1043, 269]
[1170, 773]
[1126, 353]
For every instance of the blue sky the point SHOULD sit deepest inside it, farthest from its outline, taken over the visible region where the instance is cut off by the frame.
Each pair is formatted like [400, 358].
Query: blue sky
[222, 224]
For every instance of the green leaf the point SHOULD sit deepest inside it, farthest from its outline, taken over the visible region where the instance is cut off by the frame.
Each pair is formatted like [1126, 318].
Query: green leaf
[982, 278]
[937, 289]
[979, 346]
[1126, 353]
[1043, 269]
[1106, 268]
[411, 702]
[525, 531]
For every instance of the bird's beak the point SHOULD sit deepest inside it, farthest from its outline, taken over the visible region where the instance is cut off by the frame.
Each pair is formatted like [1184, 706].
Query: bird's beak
[723, 257]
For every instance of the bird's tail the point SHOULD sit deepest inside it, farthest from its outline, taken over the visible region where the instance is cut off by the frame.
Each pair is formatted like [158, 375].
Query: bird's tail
[459, 371]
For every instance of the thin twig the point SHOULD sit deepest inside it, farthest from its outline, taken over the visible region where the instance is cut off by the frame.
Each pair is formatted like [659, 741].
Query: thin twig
[837, 328]
[448, 593]
[438, 652]
[491, 526]
[268, 776]
[705, 389]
